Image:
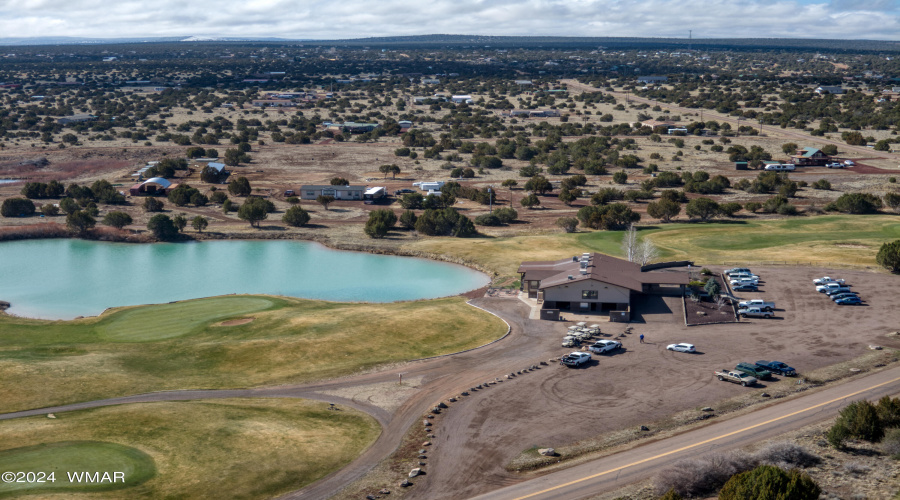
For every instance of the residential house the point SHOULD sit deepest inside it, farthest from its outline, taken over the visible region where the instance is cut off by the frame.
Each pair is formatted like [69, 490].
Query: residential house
[312, 191]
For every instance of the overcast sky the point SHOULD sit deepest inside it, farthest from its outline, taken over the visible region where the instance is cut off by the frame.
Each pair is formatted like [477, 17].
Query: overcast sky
[318, 19]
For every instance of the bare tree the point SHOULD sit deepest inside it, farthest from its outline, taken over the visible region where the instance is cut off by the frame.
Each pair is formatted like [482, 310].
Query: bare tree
[721, 300]
[647, 252]
[630, 244]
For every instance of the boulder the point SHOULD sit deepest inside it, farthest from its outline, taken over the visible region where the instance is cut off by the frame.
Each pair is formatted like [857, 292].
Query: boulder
[547, 452]
[706, 408]
[875, 347]
[421, 451]
[426, 443]
[452, 400]
[50, 415]
[645, 428]
[442, 404]
[429, 416]
[384, 491]
[415, 472]
[422, 462]
[405, 483]
[435, 410]
[427, 424]
[543, 363]
[423, 457]
[371, 497]
[765, 395]
[464, 393]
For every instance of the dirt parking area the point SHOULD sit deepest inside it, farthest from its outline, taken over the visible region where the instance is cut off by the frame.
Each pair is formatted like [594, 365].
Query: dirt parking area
[557, 406]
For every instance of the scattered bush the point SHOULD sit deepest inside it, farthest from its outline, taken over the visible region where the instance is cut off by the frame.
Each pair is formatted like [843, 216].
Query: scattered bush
[380, 222]
[786, 453]
[17, 207]
[488, 220]
[856, 203]
[568, 224]
[696, 477]
[767, 482]
[295, 216]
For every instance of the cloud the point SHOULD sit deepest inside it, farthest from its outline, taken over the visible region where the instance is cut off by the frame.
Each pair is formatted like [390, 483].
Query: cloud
[318, 19]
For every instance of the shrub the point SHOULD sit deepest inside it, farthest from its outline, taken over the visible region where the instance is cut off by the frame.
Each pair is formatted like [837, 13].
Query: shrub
[857, 203]
[786, 453]
[752, 206]
[445, 222]
[767, 482]
[506, 214]
[663, 209]
[408, 219]
[729, 209]
[861, 421]
[568, 224]
[117, 220]
[822, 184]
[696, 477]
[254, 210]
[295, 216]
[162, 227]
[615, 216]
[620, 177]
[488, 220]
[17, 207]
[218, 197]
[239, 187]
[153, 205]
[890, 444]
[889, 411]
[702, 208]
[530, 201]
[379, 223]
[50, 210]
[199, 223]
[80, 221]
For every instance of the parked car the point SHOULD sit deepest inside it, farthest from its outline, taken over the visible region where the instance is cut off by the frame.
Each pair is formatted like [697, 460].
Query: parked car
[400, 192]
[829, 286]
[849, 163]
[737, 270]
[738, 276]
[736, 376]
[777, 367]
[745, 287]
[827, 279]
[835, 165]
[576, 358]
[849, 301]
[843, 295]
[758, 303]
[602, 346]
[681, 347]
[754, 371]
[754, 312]
[835, 291]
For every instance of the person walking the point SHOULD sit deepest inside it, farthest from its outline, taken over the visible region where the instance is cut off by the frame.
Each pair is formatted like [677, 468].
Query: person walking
[642, 338]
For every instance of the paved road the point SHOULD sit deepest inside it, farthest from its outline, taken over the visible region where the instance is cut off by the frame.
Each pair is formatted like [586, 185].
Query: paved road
[787, 133]
[615, 471]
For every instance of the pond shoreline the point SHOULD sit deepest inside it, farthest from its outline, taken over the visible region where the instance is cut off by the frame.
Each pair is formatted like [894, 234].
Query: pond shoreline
[293, 277]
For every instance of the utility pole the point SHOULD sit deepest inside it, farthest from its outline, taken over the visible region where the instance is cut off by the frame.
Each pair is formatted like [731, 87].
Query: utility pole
[690, 39]
[491, 199]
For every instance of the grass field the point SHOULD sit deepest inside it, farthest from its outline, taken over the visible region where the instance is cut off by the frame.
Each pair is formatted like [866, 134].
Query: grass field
[186, 346]
[230, 448]
[851, 240]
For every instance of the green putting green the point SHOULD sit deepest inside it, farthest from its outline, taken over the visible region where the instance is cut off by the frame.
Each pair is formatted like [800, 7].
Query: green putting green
[72, 466]
[147, 324]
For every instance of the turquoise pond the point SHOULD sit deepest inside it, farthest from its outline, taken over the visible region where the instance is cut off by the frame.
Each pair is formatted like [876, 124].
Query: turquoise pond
[65, 278]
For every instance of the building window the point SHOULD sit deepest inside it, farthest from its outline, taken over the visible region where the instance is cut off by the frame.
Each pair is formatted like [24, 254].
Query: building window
[310, 193]
[589, 294]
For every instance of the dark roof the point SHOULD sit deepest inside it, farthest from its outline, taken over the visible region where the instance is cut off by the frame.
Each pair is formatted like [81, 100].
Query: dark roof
[599, 267]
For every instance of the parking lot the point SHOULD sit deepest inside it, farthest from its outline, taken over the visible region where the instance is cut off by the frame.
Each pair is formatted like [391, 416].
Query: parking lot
[641, 383]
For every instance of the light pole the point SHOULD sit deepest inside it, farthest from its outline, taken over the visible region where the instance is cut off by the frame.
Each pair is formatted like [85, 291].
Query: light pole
[491, 199]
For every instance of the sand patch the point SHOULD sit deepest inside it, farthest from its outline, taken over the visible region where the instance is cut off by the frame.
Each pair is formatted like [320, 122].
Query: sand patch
[236, 322]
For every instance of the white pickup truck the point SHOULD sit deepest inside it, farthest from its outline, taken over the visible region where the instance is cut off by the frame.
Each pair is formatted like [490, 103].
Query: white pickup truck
[736, 377]
[576, 358]
[827, 279]
[755, 312]
[602, 346]
[757, 303]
